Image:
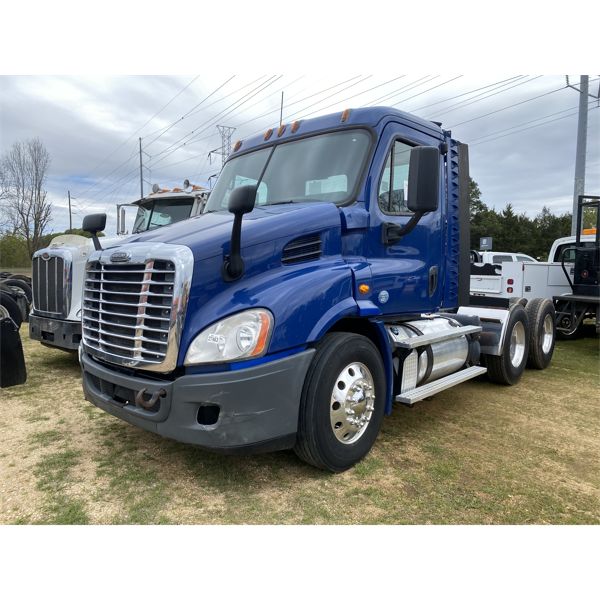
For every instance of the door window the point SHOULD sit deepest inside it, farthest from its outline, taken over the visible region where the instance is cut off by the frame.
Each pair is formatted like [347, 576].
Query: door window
[393, 188]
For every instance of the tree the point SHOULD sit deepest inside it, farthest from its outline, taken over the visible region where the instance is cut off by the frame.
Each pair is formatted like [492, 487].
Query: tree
[23, 171]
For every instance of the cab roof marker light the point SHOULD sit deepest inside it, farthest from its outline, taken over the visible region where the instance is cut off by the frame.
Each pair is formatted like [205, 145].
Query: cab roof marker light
[281, 130]
[345, 115]
[295, 126]
[268, 134]
[237, 146]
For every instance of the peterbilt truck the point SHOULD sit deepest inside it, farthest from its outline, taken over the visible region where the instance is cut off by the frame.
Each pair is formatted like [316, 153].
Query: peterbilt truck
[58, 271]
[326, 280]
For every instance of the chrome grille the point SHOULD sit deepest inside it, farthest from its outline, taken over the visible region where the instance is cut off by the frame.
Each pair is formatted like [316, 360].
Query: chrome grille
[51, 284]
[127, 309]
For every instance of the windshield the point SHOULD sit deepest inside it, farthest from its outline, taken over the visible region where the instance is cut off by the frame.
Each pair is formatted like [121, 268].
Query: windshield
[322, 168]
[163, 211]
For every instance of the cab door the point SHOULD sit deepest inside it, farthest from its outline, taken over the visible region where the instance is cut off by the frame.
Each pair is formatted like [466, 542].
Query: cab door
[408, 274]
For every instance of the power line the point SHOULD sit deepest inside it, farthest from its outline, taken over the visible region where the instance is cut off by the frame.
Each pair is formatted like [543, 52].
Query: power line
[525, 123]
[469, 92]
[164, 130]
[260, 88]
[484, 96]
[427, 90]
[405, 88]
[527, 128]
[493, 112]
[137, 131]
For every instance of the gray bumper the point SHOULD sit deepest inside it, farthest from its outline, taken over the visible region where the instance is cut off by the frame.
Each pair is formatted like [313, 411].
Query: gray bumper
[57, 333]
[257, 407]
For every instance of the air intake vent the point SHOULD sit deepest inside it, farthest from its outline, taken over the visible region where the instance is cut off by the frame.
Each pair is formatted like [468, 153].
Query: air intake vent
[301, 250]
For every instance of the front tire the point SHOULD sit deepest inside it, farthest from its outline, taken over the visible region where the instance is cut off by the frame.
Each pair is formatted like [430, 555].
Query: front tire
[342, 402]
[507, 368]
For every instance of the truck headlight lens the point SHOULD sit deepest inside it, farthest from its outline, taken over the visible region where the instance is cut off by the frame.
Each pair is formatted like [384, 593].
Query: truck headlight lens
[245, 335]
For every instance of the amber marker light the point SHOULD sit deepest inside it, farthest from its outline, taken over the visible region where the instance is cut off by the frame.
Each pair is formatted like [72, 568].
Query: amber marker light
[363, 288]
[268, 134]
[265, 326]
[237, 146]
[345, 115]
[280, 131]
[295, 126]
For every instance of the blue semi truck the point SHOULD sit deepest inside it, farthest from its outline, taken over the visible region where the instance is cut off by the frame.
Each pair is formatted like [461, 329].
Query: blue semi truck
[326, 280]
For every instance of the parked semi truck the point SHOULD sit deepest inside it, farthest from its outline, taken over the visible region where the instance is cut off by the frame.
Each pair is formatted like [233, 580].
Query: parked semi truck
[58, 271]
[326, 279]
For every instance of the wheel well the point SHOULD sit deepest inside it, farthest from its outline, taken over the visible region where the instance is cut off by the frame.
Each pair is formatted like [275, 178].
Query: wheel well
[374, 333]
[359, 326]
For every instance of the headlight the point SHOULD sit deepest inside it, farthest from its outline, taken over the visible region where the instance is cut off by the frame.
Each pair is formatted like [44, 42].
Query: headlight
[245, 335]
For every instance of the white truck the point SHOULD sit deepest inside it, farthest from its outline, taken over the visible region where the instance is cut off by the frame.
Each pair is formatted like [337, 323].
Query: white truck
[525, 279]
[58, 271]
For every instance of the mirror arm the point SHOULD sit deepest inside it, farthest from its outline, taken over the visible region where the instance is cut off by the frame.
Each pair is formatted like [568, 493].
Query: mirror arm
[233, 265]
[96, 241]
[391, 233]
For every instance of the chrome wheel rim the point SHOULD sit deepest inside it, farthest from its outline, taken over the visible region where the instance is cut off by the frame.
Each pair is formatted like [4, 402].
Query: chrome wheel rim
[352, 403]
[548, 335]
[4, 314]
[517, 344]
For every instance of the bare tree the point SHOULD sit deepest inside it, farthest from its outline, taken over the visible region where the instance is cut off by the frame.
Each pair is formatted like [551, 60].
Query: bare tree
[23, 171]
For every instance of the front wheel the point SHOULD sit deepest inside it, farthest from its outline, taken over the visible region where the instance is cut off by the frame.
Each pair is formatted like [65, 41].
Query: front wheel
[342, 403]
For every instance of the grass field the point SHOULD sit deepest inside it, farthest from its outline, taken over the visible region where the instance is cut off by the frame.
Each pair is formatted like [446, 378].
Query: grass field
[478, 453]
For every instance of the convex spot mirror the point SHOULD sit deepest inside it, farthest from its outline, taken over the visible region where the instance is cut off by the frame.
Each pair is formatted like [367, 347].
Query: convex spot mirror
[424, 179]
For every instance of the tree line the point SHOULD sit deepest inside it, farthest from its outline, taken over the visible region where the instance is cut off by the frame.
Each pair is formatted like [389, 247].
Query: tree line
[512, 232]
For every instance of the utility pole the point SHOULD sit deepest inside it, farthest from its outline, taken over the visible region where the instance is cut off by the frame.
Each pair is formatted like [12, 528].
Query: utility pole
[70, 215]
[141, 172]
[281, 111]
[582, 125]
[142, 169]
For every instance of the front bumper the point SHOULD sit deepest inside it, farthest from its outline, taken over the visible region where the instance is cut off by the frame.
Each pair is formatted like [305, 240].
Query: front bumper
[57, 333]
[254, 409]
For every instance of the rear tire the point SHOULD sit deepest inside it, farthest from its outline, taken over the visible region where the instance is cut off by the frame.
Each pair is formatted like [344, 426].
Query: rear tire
[507, 368]
[19, 283]
[542, 332]
[344, 386]
[10, 308]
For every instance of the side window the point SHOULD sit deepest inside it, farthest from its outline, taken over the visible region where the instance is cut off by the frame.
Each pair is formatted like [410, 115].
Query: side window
[499, 258]
[524, 258]
[393, 189]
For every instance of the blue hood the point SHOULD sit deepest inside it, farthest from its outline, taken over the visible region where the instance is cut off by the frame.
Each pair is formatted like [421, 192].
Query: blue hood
[209, 234]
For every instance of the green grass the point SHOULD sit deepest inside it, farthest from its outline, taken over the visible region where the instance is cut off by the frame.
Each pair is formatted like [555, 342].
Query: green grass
[478, 453]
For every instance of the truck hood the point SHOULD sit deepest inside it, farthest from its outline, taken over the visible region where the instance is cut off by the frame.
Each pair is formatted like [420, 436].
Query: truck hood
[209, 234]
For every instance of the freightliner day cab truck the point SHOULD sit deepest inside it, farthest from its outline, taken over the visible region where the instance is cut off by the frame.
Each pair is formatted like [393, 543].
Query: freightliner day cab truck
[58, 271]
[327, 279]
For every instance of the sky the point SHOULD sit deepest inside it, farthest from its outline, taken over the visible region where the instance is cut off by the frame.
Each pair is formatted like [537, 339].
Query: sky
[521, 129]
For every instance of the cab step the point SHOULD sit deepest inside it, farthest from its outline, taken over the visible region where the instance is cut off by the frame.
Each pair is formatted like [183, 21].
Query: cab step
[425, 391]
[432, 338]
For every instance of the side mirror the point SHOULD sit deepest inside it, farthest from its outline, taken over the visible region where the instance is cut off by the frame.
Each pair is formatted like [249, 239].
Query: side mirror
[423, 191]
[94, 224]
[241, 201]
[424, 179]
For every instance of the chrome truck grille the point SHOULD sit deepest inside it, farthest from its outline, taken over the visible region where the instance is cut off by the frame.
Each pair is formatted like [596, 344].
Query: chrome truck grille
[133, 310]
[51, 283]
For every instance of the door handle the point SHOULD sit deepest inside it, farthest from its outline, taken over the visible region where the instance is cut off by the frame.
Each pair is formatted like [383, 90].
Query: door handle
[433, 279]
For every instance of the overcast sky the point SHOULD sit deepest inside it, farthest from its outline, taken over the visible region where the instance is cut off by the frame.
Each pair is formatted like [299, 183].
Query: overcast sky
[523, 154]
